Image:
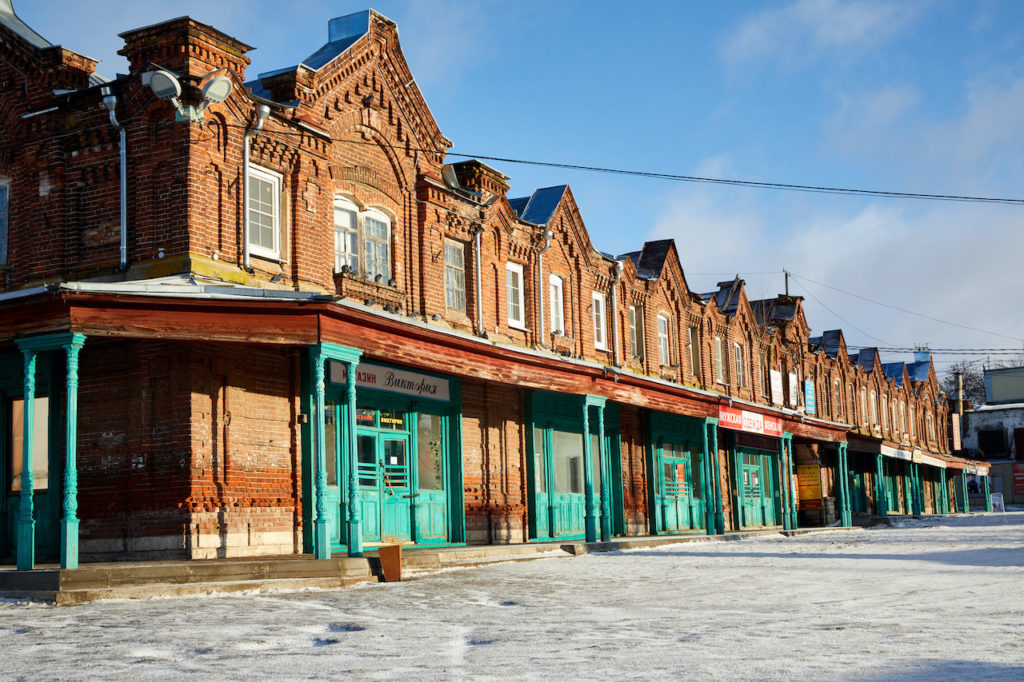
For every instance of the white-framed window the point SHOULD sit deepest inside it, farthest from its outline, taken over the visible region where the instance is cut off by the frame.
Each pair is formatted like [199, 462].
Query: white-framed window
[346, 236]
[863, 405]
[5, 218]
[931, 428]
[885, 413]
[377, 245]
[455, 275]
[516, 295]
[837, 396]
[903, 418]
[913, 423]
[664, 340]
[720, 359]
[600, 320]
[557, 288]
[874, 409]
[695, 351]
[636, 332]
[264, 212]
[741, 375]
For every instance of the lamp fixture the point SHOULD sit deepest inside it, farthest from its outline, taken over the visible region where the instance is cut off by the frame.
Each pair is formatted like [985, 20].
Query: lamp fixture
[166, 85]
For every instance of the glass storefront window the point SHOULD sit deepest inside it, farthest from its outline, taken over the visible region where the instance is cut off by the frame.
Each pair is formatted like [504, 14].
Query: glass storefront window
[393, 420]
[40, 443]
[568, 461]
[331, 443]
[367, 455]
[366, 417]
[540, 474]
[429, 458]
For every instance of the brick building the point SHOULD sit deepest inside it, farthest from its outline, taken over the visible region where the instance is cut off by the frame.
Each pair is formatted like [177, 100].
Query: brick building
[275, 321]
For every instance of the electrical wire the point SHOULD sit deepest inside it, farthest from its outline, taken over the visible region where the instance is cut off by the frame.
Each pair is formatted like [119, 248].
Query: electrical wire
[904, 310]
[841, 319]
[758, 184]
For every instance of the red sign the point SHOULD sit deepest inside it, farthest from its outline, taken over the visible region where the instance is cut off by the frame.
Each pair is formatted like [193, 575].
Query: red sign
[751, 422]
[1018, 478]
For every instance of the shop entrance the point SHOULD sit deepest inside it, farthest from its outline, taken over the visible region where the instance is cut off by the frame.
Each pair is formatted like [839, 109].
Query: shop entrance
[678, 466]
[758, 491]
[408, 476]
[47, 467]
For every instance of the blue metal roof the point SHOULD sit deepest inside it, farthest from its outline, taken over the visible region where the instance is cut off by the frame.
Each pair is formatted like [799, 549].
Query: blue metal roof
[518, 205]
[894, 371]
[9, 19]
[918, 371]
[342, 33]
[866, 358]
[541, 205]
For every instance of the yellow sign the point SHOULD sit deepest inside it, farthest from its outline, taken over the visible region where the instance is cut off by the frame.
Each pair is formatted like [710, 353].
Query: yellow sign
[809, 485]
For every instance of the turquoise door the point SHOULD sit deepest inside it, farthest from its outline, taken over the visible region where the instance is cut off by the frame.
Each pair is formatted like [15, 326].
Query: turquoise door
[758, 488]
[430, 500]
[557, 480]
[679, 492]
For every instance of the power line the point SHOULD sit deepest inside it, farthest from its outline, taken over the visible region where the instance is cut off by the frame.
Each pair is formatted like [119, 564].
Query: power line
[904, 310]
[842, 319]
[785, 186]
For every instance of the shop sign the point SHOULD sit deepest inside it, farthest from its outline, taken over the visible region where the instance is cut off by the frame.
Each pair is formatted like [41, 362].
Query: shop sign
[776, 380]
[1018, 478]
[809, 396]
[751, 422]
[809, 485]
[681, 473]
[997, 502]
[392, 380]
[793, 390]
[956, 433]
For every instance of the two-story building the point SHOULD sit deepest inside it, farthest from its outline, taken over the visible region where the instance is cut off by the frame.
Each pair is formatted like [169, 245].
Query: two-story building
[263, 315]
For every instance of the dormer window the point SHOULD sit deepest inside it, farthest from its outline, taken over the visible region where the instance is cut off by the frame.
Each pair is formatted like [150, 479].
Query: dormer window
[5, 191]
[362, 241]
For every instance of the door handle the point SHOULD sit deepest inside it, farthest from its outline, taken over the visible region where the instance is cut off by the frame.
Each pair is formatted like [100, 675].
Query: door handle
[412, 495]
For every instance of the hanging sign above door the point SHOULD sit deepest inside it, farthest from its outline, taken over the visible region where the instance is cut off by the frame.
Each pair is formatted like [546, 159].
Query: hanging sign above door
[392, 380]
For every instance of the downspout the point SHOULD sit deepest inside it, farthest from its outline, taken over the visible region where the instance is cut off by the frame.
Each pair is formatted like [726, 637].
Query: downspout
[262, 111]
[548, 234]
[479, 286]
[615, 313]
[110, 102]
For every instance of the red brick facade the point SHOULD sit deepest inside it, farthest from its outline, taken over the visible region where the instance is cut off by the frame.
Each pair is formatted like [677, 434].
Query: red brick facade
[191, 410]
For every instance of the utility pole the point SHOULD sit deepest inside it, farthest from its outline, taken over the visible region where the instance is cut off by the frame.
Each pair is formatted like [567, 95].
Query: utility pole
[786, 273]
[960, 393]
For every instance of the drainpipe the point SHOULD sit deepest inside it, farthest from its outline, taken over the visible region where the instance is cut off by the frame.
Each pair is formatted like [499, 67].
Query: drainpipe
[548, 234]
[479, 288]
[615, 313]
[262, 111]
[110, 103]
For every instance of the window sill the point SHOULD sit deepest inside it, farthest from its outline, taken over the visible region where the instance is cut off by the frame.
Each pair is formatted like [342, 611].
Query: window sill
[262, 255]
[518, 326]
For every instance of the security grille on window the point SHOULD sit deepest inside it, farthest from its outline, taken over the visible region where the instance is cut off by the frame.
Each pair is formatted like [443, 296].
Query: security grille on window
[600, 337]
[4, 220]
[514, 287]
[664, 341]
[362, 241]
[455, 275]
[695, 351]
[636, 333]
[557, 305]
[741, 376]
[264, 213]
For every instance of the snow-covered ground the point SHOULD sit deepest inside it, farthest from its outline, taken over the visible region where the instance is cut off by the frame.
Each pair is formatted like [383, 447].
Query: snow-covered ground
[934, 599]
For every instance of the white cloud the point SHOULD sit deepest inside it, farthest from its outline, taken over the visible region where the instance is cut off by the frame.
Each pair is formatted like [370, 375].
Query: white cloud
[799, 31]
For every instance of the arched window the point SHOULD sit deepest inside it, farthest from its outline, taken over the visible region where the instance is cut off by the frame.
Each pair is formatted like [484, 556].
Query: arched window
[362, 241]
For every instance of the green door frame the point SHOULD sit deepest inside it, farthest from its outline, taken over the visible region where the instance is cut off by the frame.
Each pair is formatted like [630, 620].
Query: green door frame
[31, 348]
[314, 476]
[769, 481]
[694, 435]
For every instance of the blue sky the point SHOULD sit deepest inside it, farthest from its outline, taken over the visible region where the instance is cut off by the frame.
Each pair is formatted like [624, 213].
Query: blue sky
[909, 95]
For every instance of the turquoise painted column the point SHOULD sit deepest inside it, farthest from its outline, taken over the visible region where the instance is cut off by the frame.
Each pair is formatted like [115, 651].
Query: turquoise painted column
[945, 491]
[784, 483]
[355, 521]
[918, 491]
[844, 490]
[26, 521]
[69, 524]
[794, 516]
[988, 495]
[590, 513]
[738, 492]
[707, 486]
[717, 469]
[964, 495]
[881, 490]
[321, 539]
[606, 499]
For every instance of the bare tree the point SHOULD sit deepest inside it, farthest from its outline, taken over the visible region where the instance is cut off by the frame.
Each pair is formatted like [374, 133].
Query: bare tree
[974, 381]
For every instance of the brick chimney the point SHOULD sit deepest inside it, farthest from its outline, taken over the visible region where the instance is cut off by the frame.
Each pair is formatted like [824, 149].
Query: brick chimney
[184, 46]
